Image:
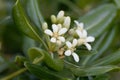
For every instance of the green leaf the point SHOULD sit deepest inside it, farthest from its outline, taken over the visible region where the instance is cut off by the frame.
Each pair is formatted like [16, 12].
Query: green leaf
[35, 55]
[56, 64]
[117, 3]
[1, 60]
[98, 20]
[83, 71]
[86, 56]
[106, 42]
[3, 64]
[44, 73]
[85, 52]
[99, 40]
[3, 67]
[28, 43]
[102, 77]
[23, 23]
[19, 60]
[34, 13]
[113, 58]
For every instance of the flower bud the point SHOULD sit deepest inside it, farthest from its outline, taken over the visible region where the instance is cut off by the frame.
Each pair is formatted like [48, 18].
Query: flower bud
[45, 26]
[53, 19]
[60, 15]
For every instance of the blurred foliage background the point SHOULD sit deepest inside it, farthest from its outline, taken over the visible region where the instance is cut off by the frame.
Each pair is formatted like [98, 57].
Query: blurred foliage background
[13, 42]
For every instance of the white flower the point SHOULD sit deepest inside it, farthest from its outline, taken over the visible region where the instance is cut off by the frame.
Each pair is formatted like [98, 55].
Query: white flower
[71, 49]
[80, 26]
[83, 39]
[56, 34]
[67, 22]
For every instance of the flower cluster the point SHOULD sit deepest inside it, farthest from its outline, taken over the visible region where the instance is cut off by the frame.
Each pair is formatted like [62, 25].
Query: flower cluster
[60, 27]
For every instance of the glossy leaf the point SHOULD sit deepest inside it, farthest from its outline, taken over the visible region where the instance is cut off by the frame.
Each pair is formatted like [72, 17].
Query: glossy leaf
[105, 43]
[98, 20]
[85, 57]
[117, 3]
[102, 77]
[23, 23]
[35, 55]
[56, 64]
[99, 40]
[86, 52]
[28, 43]
[34, 13]
[112, 58]
[44, 73]
[91, 70]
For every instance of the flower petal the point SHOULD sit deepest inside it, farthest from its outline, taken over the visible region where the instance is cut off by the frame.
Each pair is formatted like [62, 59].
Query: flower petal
[62, 31]
[48, 32]
[76, 22]
[84, 34]
[79, 33]
[74, 42]
[90, 39]
[88, 46]
[53, 40]
[60, 14]
[76, 57]
[59, 26]
[62, 39]
[68, 53]
[69, 45]
[79, 25]
[55, 28]
[67, 22]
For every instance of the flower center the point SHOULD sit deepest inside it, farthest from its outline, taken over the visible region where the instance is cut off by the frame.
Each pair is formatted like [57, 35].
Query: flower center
[55, 35]
[81, 29]
[81, 41]
[72, 49]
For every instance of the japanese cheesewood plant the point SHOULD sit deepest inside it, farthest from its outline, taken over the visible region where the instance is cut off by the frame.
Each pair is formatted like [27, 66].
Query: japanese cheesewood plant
[67, 49]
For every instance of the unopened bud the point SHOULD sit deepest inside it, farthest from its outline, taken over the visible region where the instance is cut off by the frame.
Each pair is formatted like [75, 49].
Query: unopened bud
[53, 19]
[60, 15]
[61, 51]
[45, 26]
[60, 26]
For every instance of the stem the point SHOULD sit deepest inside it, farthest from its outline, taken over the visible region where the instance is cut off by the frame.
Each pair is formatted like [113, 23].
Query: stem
[14, 74]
